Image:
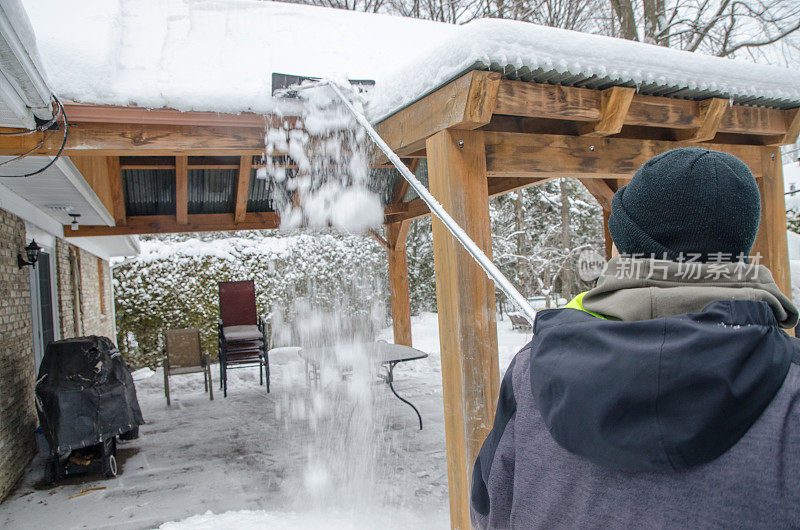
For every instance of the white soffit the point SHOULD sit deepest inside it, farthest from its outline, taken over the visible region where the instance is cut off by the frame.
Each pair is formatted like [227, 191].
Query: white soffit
[58, 191]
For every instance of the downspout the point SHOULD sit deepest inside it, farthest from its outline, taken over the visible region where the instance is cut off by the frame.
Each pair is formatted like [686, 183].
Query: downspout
[77, 292]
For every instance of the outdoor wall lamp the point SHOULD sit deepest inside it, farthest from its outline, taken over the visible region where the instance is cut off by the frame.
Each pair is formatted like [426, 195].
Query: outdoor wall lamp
[32, 253]
[74, 224]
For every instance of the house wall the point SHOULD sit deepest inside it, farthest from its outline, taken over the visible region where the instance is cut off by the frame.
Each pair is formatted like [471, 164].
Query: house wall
[17, 412]
[83, 310]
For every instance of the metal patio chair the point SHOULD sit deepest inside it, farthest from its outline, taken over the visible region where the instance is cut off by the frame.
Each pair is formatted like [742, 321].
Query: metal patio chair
[183, 355]
[242, 333]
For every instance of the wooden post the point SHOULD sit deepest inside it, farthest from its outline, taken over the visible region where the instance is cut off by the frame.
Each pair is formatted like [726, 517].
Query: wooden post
[181, 189]
[466, 303]
[771, 241]
[609, 243]
[398, 281]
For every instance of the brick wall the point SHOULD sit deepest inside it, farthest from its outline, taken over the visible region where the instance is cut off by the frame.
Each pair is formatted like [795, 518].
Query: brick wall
[94, 308]
[95, 316]
[17, 412]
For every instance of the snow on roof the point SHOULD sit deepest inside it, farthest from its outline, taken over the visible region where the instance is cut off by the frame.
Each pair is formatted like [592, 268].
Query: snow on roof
[211, 55]
[218, 55]
[544, 54]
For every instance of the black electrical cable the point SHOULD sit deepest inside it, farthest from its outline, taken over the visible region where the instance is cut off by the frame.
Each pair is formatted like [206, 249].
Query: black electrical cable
[62, 113]
[39, 128]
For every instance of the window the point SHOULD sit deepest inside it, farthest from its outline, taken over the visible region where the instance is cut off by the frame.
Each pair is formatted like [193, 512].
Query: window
[102, 286]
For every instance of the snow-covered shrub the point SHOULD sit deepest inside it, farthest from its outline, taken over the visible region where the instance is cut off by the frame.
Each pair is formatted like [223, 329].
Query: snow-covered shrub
[173, 282]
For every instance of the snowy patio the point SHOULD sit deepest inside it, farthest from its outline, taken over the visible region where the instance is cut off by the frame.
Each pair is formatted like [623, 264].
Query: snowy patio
[247, 455]
[173, 136]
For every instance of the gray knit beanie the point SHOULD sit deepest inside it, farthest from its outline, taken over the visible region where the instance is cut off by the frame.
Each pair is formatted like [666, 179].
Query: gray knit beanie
[686, 202]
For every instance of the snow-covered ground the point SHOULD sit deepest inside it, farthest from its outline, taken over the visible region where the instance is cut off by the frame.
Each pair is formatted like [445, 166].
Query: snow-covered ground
[241, 462]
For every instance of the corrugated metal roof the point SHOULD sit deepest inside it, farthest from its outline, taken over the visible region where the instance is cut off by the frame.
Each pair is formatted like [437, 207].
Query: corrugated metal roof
[602, 82]
[149, 191]
[152, 191]
[212, 190]
[259, 197]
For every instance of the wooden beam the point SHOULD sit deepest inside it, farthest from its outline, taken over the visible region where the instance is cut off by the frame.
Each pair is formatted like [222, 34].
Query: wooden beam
[771, 242]
[112, 139]
[412, 209]
[89, 113]
[117, 189]
[95, 171]
[168, 224]
[711, 113]
[400, 295]
[614, 105]
[466, 304]
[181, 190]
[549, 155]
[539, 100]
[466, 103]
[242, 188]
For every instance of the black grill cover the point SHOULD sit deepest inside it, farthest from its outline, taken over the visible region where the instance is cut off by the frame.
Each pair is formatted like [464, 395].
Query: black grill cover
[84, 394]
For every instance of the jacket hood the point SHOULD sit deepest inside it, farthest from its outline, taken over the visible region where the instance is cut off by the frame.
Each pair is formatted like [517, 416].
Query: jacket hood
[659, 394]
[641, 289]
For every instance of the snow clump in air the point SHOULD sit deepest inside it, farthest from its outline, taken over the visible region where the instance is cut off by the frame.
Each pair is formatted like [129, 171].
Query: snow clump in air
[319, 167]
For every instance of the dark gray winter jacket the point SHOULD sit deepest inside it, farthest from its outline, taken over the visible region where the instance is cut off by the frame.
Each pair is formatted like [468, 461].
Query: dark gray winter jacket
[673, 421]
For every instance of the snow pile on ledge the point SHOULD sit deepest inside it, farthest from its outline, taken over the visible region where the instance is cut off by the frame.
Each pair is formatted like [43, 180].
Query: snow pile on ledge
[219, 55]
[231, 249]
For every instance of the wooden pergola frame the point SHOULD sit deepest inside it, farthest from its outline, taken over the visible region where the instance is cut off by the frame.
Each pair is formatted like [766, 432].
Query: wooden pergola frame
[482, 136]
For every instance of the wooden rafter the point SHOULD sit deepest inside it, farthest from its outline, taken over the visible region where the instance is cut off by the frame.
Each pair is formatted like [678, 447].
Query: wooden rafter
[711, 114]
[539, 100]
[614, 105]
[181, 190]
[242, 188]
[168, 224]
[466, 103]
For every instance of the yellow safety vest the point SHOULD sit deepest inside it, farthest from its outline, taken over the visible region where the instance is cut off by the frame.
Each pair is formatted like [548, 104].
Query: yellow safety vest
[577, 303]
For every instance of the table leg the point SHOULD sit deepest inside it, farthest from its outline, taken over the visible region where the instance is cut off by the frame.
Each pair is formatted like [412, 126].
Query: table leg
[389, 380]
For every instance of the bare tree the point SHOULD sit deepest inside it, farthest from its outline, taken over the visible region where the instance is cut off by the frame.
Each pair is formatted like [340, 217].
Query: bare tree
[719, 27]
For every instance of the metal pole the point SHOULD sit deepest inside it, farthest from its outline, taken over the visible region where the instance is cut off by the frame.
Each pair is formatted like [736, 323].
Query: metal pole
[437, 209]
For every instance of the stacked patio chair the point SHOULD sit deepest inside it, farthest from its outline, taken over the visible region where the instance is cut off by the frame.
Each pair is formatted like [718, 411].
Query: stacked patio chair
[242, 333]
[183, 355]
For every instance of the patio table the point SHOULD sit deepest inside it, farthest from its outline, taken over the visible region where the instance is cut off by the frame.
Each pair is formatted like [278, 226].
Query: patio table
[382, 353]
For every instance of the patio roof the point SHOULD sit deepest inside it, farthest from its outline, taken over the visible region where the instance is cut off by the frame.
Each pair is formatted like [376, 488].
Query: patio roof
[219, 57]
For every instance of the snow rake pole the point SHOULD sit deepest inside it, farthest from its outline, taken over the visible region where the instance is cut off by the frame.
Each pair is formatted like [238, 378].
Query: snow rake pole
[437, 209]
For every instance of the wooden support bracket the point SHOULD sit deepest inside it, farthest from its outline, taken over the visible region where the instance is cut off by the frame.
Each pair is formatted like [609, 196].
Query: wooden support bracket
[792, 127]
[711, 113]
[600, 190]
[614, 105]
[377, 237]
